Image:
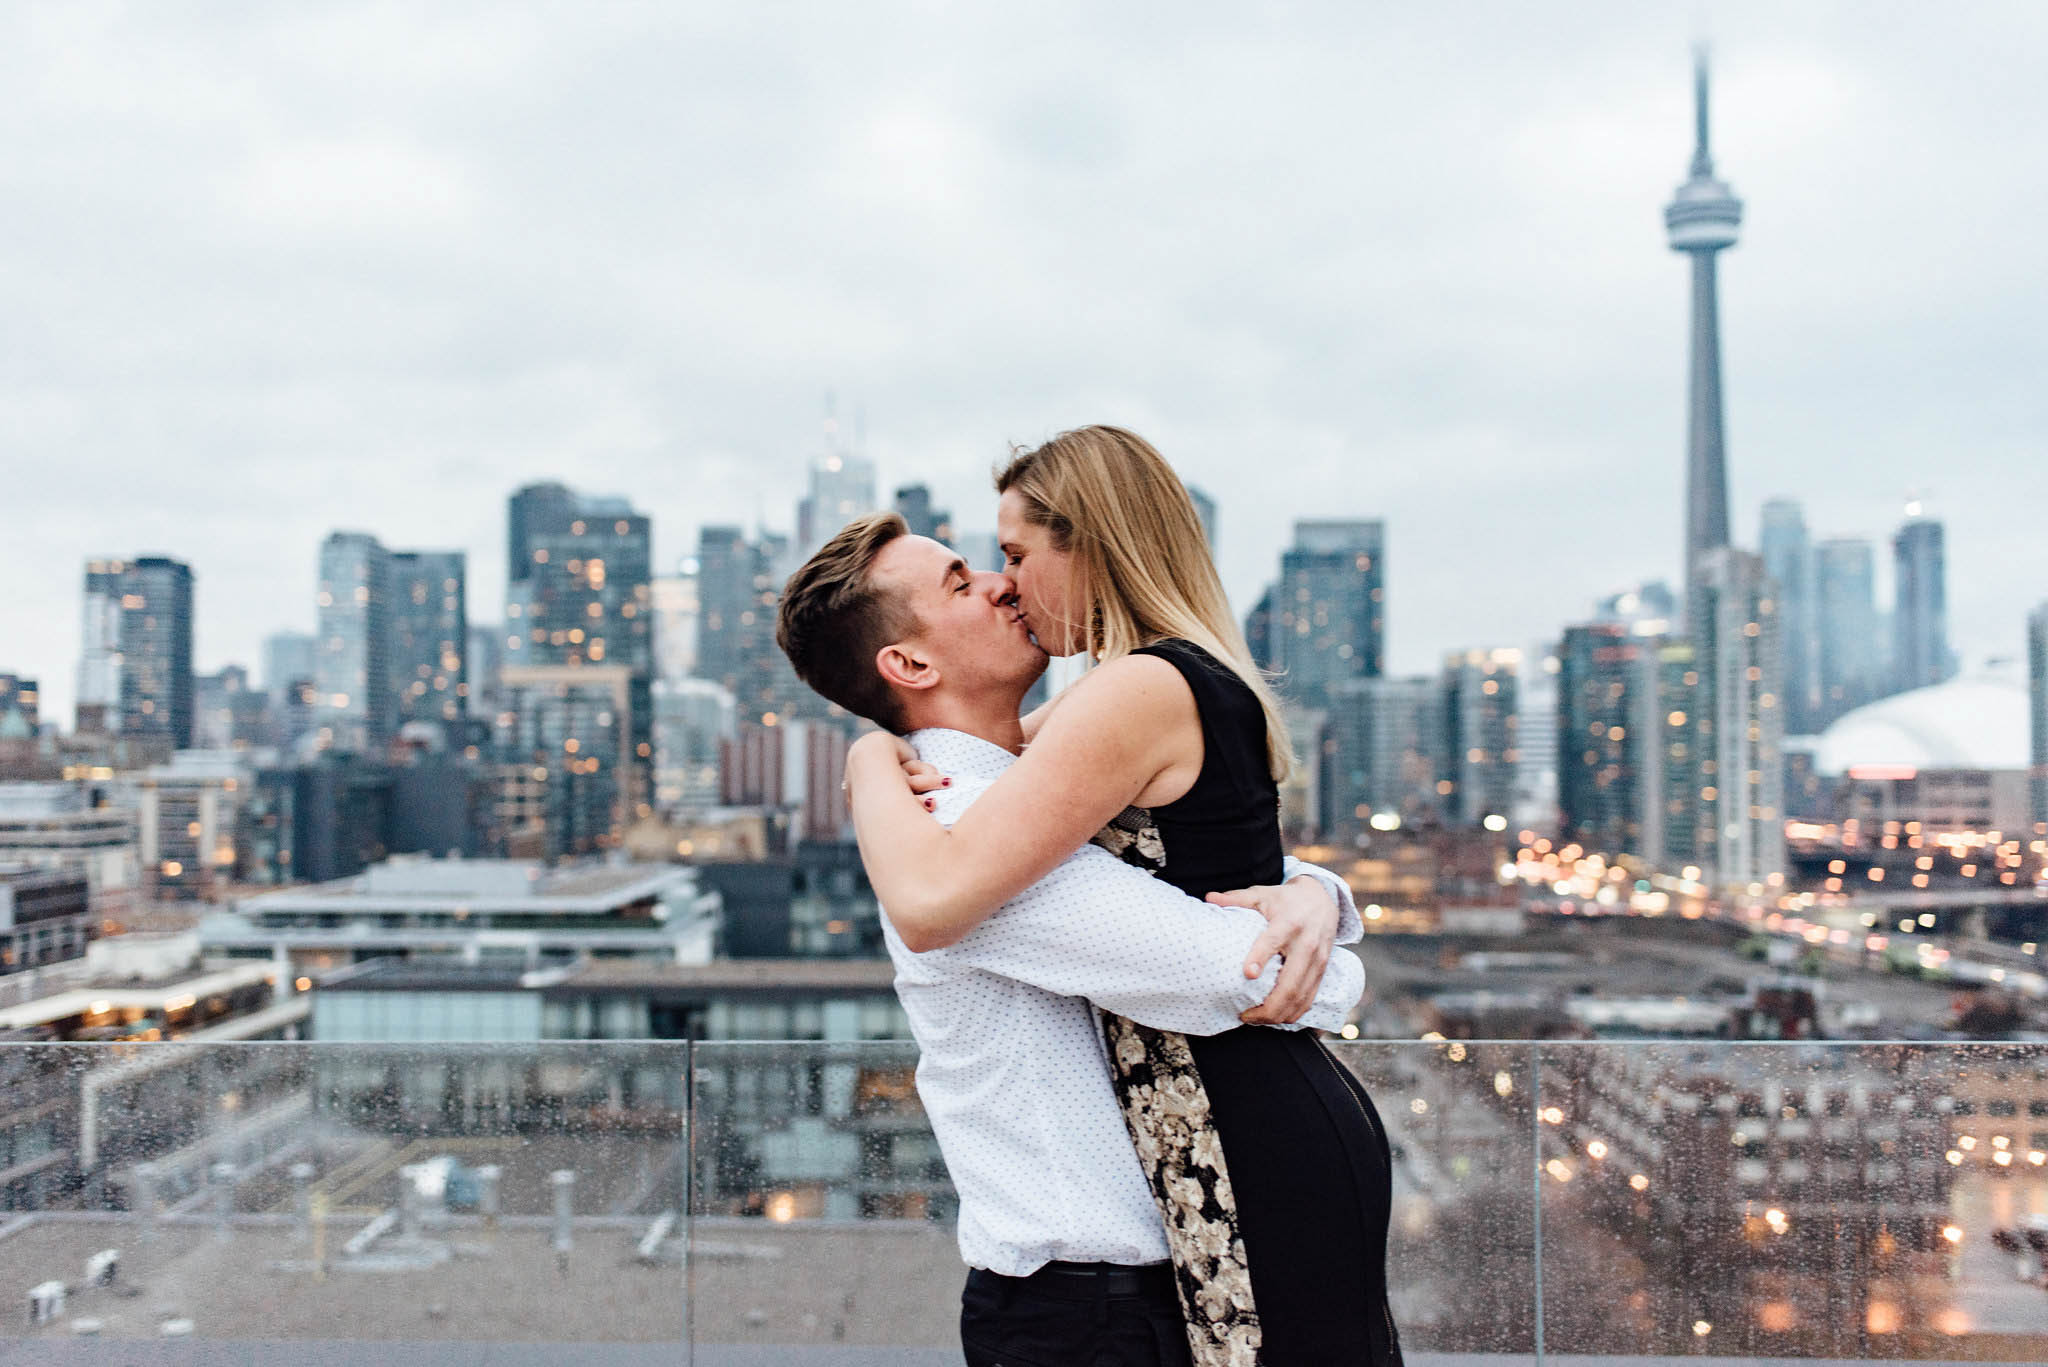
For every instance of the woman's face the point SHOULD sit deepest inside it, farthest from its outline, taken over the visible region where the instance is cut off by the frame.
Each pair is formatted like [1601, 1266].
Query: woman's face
[1042, 575]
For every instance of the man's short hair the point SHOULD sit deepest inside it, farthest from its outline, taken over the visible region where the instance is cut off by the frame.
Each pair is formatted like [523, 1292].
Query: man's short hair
[834, 619]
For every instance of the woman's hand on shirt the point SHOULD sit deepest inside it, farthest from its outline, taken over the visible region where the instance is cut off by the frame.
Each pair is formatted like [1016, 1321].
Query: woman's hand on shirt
[921, 778]
[1301, 927]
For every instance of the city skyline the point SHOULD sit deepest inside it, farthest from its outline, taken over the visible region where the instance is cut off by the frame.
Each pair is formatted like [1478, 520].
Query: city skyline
[1512, 338]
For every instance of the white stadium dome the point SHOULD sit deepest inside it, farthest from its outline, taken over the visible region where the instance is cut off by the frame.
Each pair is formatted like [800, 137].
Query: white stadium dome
[1977, 722]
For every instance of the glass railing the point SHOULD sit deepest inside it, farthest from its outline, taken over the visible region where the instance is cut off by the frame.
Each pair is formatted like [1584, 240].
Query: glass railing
[738, 1203]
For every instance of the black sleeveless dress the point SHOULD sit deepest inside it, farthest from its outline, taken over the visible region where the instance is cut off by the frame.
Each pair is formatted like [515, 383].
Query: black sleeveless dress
[1268, 1161]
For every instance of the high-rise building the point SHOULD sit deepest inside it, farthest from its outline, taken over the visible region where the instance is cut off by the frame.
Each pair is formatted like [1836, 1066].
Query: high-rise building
[738, 589]
[531, 512]
[1920, 649]
[842, 489]
[568, 728]
[1304, 796]
[582, 595]
[288, 658]
[484, 658]
[2037, 698]
[135, 677]
[676, 611]
[1703, 219]
[1852, 663]
[188, 822]
[692, 719]
[295, 722]
[1380, 755]
[227, 713]
[1599, 744]
[336, 814]
[1329, 610]
[1742, 776]
[352, 670]
[1788, 559]
[20, 708]
[429, 635]
[1536, 738]
[1481, 753]
[914, 506]
[726, 566]
[1673, 733]
[99, 660]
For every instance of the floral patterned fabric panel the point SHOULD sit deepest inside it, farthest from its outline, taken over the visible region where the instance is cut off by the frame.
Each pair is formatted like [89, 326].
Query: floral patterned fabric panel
[1132, 837]
[1166, 1109]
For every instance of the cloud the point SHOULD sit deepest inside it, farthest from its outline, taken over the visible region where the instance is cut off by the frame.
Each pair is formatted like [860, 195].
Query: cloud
[273, 270]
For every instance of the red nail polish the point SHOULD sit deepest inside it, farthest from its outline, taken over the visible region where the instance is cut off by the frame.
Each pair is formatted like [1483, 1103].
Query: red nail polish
[945, 783]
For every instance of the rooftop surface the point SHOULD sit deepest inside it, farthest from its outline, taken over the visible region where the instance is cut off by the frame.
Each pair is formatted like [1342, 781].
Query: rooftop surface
[479, 885]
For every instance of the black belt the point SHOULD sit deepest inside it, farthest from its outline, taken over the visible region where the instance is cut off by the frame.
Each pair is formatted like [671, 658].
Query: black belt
[1094, 1281]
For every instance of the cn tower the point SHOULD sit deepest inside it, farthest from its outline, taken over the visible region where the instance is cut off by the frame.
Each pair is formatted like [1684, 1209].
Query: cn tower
[1702, 219]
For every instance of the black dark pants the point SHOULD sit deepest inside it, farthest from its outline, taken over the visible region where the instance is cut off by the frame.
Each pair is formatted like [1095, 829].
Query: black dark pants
[1062, 1316]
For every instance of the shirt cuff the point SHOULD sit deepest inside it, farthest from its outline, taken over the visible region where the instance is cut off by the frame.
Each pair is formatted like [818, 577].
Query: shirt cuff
[1350, 929]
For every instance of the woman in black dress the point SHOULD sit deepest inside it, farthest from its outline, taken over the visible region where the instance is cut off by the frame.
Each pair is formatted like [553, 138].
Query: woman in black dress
[1267, 1159]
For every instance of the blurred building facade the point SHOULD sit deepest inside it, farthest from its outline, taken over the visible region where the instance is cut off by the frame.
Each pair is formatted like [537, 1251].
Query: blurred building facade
[1380, 756]
[1920, 646]
[1788, 560]
[1599, 760]
[579, 595]
[1853, 666]
[430, 635]
[1741, 691]
[1327, 619]
[1481, 751]
[135, 674]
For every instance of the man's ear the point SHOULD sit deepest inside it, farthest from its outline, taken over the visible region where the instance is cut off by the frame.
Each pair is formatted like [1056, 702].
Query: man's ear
[905, 666]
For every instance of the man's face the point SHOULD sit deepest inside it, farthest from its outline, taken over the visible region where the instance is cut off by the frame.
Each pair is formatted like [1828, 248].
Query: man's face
[968, 622]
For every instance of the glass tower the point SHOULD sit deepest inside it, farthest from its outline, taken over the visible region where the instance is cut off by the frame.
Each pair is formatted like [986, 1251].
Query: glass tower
[1742, 776]
[352, 669]
[429, 635]
[1920, 651]
[579, 593]
[1599, 744]
[1481, 717]
[135, 674]
[1845, 601]
[1788, 559]
[1380, 756]
[1328, 618]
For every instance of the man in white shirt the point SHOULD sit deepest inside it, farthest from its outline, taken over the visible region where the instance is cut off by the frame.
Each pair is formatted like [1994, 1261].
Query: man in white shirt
[1067, 1250]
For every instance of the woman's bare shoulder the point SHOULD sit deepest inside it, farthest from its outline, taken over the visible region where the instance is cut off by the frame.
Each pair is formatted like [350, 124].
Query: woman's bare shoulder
[1129, 691]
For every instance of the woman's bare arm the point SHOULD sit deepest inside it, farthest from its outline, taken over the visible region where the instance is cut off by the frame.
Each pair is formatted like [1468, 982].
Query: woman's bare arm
[1034, 720]
[1111, 738]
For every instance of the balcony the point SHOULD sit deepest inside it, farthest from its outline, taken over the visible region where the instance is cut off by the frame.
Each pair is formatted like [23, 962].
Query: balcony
[732, 1204]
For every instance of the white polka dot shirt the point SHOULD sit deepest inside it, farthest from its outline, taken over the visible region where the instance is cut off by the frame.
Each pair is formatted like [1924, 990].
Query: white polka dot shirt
[1012, 1070]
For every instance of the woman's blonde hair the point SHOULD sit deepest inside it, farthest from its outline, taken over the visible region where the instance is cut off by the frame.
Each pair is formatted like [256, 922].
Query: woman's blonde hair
[1141, 568]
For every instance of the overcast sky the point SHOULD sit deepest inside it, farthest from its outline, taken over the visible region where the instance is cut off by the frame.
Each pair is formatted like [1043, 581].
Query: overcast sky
[270, 270]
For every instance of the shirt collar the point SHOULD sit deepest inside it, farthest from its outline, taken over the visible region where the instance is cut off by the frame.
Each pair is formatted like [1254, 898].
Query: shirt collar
[959, 754]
